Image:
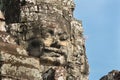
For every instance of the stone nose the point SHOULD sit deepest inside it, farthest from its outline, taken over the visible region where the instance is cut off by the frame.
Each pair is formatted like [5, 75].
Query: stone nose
[56, 43]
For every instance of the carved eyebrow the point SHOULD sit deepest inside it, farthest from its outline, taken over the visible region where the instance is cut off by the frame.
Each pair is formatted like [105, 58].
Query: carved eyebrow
[62, 32]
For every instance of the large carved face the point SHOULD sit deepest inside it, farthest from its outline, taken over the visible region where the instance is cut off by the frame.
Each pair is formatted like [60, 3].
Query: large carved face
[55, 40]
[50, 43]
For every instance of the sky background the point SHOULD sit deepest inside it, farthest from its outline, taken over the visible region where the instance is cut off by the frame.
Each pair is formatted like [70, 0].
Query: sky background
[101, 23]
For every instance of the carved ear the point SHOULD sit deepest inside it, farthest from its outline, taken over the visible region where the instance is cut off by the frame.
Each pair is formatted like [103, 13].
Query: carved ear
[35, 43]
[35, 48]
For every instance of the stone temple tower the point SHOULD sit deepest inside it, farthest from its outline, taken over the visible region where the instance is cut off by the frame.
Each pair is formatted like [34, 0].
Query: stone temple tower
[41, 41]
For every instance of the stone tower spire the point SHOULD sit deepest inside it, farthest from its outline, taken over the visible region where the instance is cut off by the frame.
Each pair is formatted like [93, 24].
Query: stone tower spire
[42, 41]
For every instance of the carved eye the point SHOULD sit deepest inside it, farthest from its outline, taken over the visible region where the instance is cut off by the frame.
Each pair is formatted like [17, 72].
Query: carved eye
[51, 32]
[47, 33]
[63, 37]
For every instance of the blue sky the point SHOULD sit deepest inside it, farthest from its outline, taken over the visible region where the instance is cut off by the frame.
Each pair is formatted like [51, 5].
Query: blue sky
[101, 22]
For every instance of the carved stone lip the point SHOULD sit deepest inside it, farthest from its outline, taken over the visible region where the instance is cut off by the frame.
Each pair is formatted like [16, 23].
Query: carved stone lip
[1, 19]
[55, 50]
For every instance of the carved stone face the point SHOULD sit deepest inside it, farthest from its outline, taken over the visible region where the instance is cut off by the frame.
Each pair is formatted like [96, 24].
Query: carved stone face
[50, 44]
[48, 40]
[55, 41]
